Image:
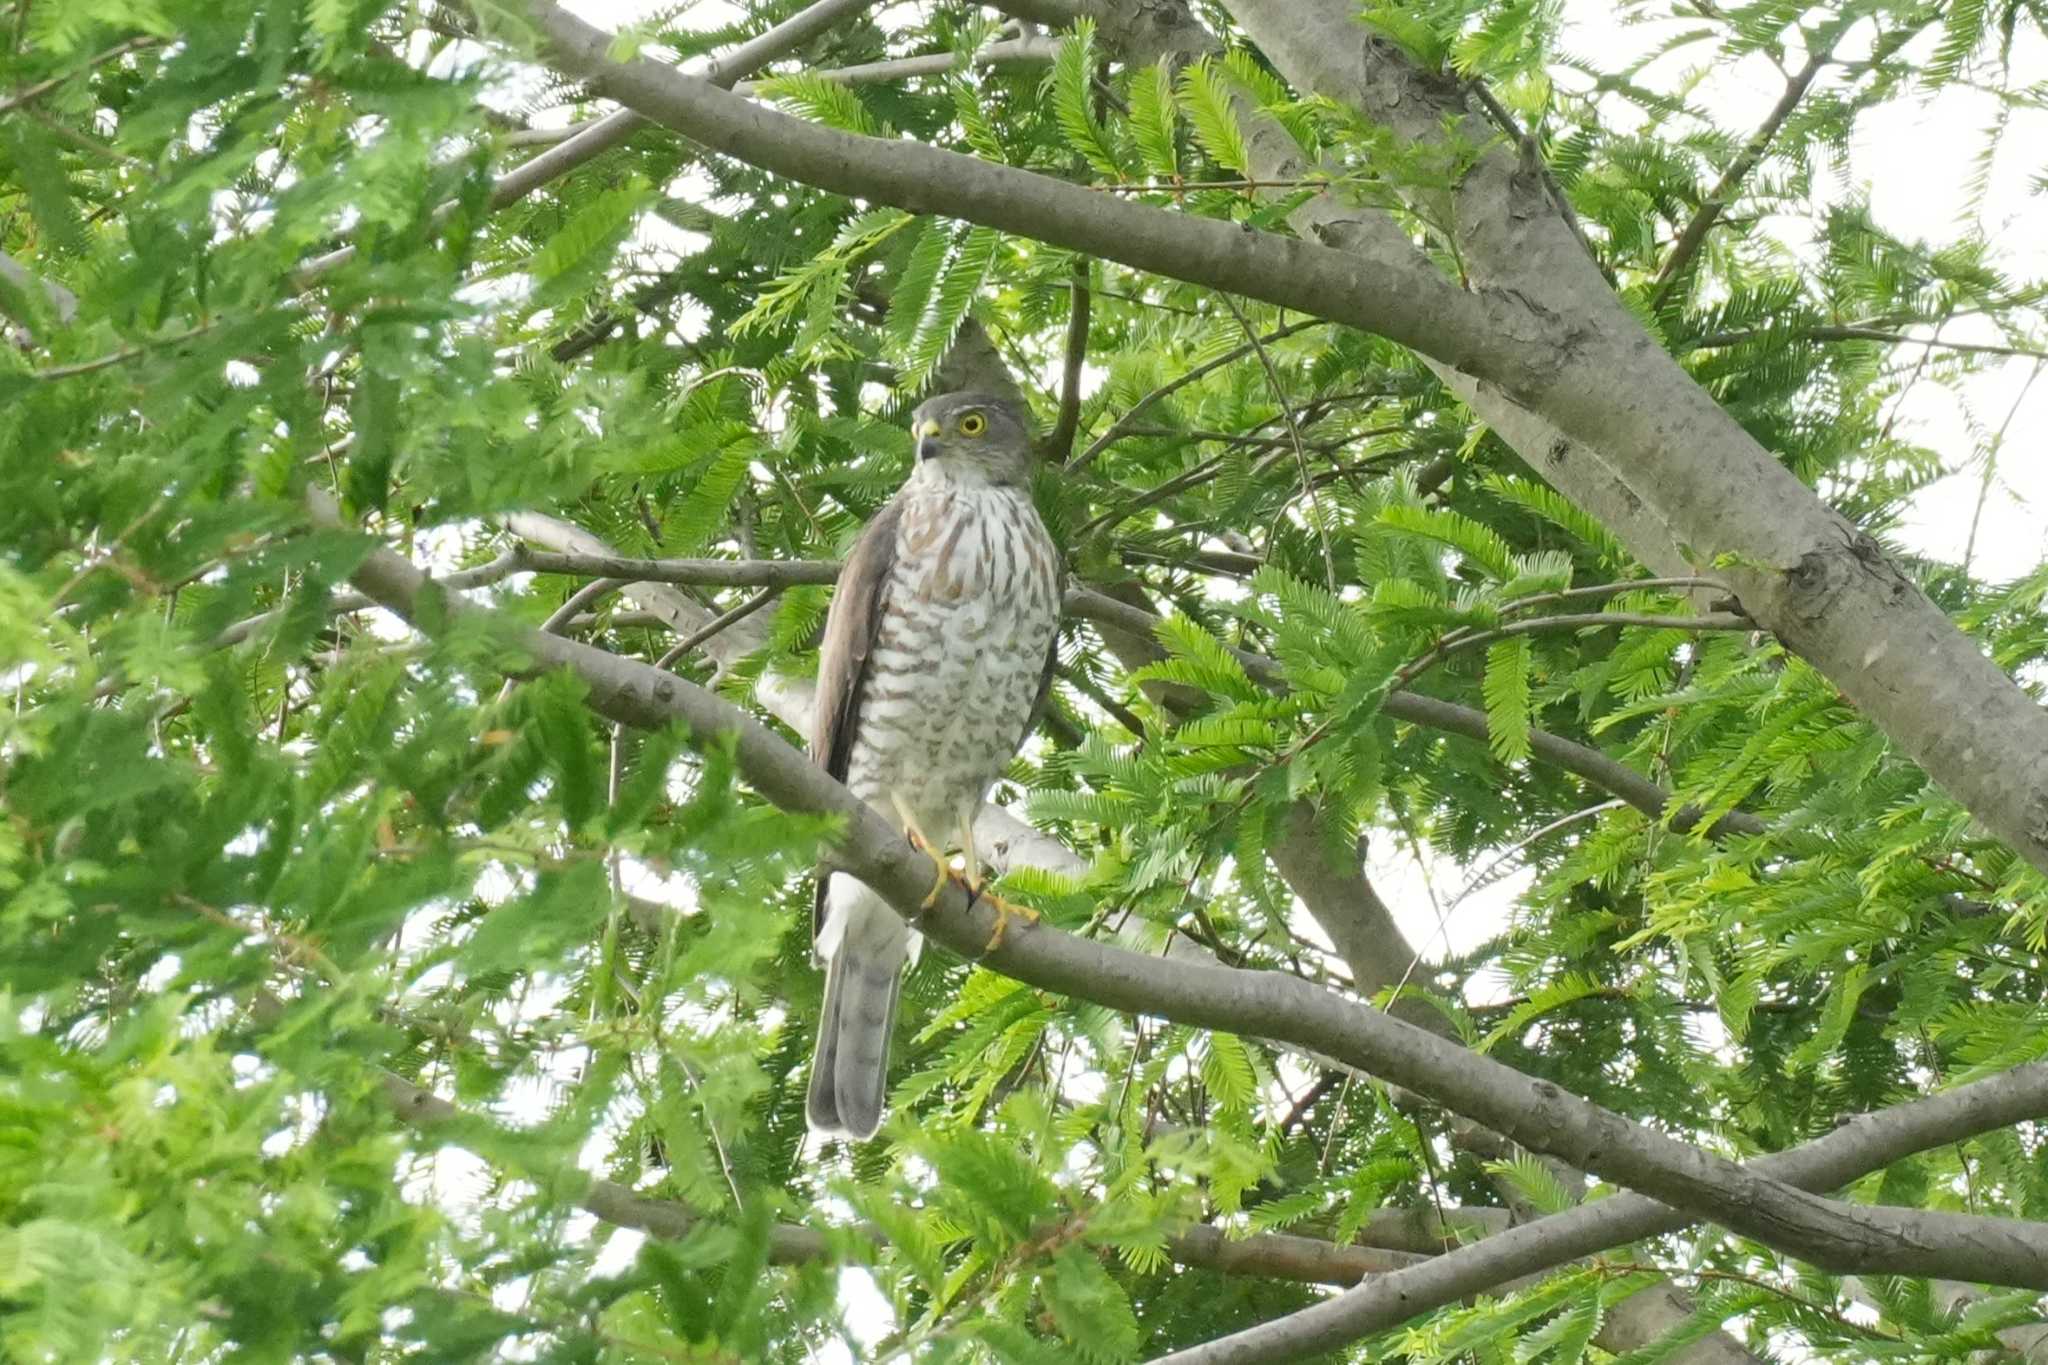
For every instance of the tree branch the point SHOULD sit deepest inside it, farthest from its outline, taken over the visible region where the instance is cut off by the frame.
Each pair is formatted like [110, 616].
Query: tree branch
[1124, 424]
[1596, 767]
[1801, 570]
[1278, 1256]
[1059, 442]
[698, 573]
[61, 301]
[1400, 295]
[1716, 203]
[1084, 603]
[30, 94]
[1003, 839]
[1855, 1148]
[1839, 1237]
[594, 139]
[1025, 51]
[1587, 620]
[1852, 332]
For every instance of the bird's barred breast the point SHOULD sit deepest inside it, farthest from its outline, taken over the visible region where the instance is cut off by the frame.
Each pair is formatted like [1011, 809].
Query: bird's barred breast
[967, 617]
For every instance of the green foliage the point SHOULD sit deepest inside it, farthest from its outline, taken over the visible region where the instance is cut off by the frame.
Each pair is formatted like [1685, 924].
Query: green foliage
[1206, 97]
[280, 876]
[1071, 85]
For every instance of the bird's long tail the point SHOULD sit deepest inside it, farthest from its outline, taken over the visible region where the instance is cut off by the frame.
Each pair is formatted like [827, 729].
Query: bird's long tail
[866, 943]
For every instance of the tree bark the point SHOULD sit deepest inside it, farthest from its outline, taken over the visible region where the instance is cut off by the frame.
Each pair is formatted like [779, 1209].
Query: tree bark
[1833, 1235]
[1555, 344]
[1821, 585]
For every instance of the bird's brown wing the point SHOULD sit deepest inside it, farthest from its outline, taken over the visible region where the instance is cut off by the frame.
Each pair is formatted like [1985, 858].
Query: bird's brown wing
[851, 626]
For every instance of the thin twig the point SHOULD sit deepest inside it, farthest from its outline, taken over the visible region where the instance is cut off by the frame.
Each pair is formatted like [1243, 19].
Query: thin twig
[32, 93]
[1252, 438]
[701, 573]
[1711, 208]
[1308, 487]
[1159, 493]
[120, 357]
[1532, 155]
[1855, 332]
[1455, 641]
[599, 136]
[1060, 443]
[1123, 424]
[497, 570]
[1023, 51]
[1991, 465]
[585, 597]
[1178, 186]
[717, 624]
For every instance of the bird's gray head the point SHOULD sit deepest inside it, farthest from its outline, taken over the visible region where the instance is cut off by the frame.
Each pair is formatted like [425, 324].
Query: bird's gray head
[971, 438]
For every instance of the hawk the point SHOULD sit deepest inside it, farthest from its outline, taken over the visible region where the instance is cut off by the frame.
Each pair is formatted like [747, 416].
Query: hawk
[938, 651]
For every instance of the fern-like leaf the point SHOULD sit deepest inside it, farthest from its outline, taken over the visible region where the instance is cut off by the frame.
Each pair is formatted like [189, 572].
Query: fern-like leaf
[1206, 95]
[1154, 121]
[1507, 698]
[1071, 84]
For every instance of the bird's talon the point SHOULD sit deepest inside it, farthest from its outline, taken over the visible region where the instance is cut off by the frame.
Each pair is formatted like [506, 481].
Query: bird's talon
[1005, 912]
[931, 899]
[943, 873]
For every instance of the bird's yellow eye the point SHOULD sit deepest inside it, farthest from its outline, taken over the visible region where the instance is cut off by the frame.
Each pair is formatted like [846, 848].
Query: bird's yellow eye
[973, 424]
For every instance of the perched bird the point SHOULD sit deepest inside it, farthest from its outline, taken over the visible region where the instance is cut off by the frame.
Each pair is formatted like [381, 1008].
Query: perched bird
[938, 651]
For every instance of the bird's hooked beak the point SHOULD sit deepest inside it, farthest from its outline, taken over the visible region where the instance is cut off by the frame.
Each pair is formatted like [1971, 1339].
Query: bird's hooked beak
[927, 433]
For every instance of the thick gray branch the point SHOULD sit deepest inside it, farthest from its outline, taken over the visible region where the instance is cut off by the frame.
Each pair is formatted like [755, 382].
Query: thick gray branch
[1862, 1144]
[1399, 294]
[61, 301]
[1800, 569]
[1835, 1236]
[582, 553]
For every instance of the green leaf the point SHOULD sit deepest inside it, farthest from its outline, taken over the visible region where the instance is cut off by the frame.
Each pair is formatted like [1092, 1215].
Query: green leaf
[597, 229]
[1411, 29]
[1199, 660]
[561, 724]
[1071, 84]
[1206, 95]
[1228, 1073]
[1480, 544]
[1154, 121]
[821, 100]
[912, 296]
[38, 171]
[1507, 698]
[564, 911]
[375, 413]
[1534, 1182]
[961, 282]
[1089, 1307]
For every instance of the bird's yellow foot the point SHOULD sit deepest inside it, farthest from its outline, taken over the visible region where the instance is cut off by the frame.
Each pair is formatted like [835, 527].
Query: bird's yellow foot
[1005, 912]
[944, 869]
